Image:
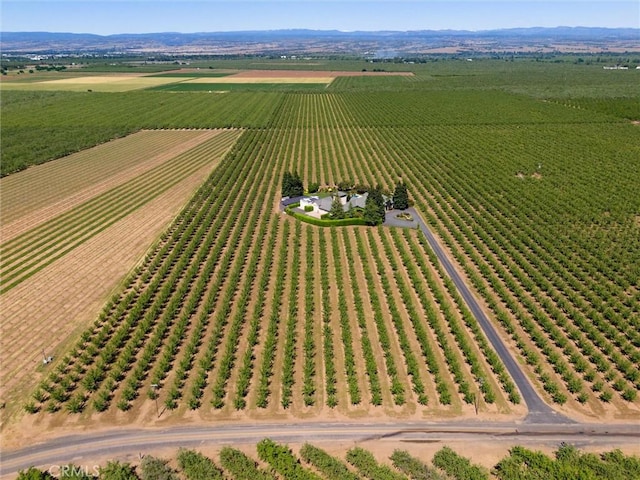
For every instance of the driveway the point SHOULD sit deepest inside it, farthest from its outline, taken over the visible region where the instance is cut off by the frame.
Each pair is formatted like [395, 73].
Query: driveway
[539, 411]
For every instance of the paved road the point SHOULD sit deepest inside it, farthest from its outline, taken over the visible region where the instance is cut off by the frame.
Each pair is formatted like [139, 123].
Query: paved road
[539, 411]
[84, 449]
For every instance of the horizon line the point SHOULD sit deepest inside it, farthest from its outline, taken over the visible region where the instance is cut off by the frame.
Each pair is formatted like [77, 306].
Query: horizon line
[303, 29]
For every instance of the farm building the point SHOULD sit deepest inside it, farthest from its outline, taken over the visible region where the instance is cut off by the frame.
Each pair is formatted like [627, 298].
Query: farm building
[323, 205]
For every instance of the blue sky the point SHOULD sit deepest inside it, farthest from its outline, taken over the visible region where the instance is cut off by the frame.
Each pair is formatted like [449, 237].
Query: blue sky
[145, 16]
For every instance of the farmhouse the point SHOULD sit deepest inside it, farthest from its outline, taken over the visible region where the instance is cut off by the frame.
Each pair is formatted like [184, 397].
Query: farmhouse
[322, 205]
[317, 206]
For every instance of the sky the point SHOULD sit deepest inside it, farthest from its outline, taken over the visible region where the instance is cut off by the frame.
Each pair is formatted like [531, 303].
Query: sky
[105, 17]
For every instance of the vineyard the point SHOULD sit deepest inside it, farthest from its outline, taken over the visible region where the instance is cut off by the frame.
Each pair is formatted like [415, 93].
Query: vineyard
[239, 311]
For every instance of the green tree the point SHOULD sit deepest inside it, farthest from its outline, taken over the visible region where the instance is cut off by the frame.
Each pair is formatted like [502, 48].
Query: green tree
[34, 474]
[154, 468]
[286, 184]
[374, 211]
[292, 185]
[197, 466]
[75, 472]
[401, 197]
[118, 471]
[345, 185]
[337, 210]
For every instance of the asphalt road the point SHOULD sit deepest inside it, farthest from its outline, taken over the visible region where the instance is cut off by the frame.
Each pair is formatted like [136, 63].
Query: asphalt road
[539, 411]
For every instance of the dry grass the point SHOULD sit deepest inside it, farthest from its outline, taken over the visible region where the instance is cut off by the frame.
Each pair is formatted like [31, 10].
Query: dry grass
[98, 83]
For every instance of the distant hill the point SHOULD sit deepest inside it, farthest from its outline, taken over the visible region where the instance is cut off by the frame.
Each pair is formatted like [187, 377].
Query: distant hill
[301, 40]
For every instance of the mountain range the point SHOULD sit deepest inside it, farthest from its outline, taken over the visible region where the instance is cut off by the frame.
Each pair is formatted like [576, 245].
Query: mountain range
[302, 40]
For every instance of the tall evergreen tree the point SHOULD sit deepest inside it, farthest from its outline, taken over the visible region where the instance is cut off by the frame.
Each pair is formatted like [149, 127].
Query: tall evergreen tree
[337, 210]
[292, 185]
[297, 188]
[401, 197]
[374, 211]
[286, 184]
[379, 201]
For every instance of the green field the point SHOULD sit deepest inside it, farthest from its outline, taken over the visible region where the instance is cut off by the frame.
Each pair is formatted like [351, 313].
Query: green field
[240, 87]
[527, 172]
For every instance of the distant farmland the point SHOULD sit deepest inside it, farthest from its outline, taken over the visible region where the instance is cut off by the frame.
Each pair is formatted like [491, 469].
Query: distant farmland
[238, 311]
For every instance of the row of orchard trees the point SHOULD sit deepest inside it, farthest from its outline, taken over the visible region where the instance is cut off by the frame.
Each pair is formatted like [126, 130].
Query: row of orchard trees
[172, 335]
[313, 463]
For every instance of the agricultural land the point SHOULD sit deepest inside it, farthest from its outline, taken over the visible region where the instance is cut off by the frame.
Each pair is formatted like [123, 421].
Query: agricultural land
[146, 250]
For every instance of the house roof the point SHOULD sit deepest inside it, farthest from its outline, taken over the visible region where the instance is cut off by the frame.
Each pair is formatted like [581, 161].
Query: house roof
[325, 203]
[286, 201]
[357, 201]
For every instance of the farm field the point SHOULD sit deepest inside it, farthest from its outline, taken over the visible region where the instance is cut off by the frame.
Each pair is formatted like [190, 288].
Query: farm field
[245, 337]
[178, 80]
[96, 224]
[98, 83]
[239, 312]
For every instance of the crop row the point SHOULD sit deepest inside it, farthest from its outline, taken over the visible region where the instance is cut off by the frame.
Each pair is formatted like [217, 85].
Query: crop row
[30, 252]
[231, 313]
[69, 122]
